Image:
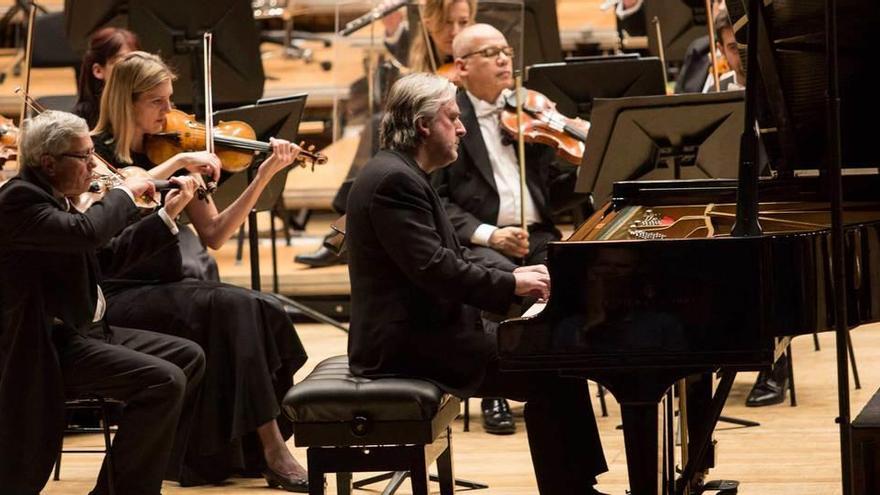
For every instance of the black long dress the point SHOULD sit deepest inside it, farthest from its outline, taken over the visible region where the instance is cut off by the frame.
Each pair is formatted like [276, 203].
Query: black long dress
[251, 346]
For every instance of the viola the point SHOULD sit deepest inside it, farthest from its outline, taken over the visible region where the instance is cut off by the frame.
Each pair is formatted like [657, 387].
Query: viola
[542, 123]
[235, 140]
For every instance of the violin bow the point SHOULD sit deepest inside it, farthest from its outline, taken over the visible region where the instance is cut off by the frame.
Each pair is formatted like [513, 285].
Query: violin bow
[429, 46]
[28, 51]
[712, 55]
[209, 97]
[656, 22]
[521, 150]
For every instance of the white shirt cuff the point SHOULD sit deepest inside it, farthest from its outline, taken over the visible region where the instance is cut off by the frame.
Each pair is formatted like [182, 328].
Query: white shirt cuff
[624, 13]
[168, 221]
[127, 191]
[481, 236]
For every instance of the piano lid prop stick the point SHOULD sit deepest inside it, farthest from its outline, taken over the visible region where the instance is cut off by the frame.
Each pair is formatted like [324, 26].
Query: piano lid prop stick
[656, 22]
[683, 422]
[712, 54]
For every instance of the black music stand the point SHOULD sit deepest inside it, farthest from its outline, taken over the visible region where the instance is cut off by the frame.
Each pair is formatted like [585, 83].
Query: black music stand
[174, 31]
[277, 117]
[575, 84]
[681, 22]
[530, 26]
[693, 136]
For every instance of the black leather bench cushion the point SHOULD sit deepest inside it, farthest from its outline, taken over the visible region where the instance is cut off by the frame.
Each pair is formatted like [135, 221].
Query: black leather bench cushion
[870, 415]
[330, 393]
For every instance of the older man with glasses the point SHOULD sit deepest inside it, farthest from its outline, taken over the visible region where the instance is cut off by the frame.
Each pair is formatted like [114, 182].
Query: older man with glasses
[54, 341]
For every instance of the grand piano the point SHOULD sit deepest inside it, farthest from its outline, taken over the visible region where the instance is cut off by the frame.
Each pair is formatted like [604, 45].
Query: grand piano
[664, 282]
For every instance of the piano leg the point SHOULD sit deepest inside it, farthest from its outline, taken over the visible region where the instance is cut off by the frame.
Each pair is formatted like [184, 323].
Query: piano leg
[701, 438]
[640, 430]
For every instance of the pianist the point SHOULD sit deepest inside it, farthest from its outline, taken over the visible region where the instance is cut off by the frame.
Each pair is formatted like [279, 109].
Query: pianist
[414, 289]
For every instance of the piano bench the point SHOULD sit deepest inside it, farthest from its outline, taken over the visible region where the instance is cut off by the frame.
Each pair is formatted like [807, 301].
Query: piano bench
[866, 448]
[354, 424]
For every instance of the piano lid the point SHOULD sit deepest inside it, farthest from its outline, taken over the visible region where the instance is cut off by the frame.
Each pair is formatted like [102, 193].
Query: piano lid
[794, 126]
[692, 136]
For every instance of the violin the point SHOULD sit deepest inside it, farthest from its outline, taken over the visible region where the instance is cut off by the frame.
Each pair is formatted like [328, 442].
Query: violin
[542, 123]
[8, 139]
[109, 178]
[236, 142]
[450, 72]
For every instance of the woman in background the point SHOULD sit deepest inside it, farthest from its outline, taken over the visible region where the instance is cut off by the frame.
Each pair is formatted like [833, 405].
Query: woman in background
[106, 47]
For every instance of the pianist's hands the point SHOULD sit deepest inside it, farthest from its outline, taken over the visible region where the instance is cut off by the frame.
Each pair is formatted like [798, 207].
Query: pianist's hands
[532, 281]
[512, 241]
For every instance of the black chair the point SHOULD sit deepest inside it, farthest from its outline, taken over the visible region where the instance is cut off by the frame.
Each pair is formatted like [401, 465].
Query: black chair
[103, 407]
[353, 424]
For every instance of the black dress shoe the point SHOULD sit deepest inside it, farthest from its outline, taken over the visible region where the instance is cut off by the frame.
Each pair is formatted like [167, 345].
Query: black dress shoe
[320, 258]
[288, 483]
[497, 418]
[769, 388]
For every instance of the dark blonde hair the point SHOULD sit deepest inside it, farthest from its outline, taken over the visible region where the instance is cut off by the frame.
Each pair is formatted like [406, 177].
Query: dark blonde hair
[136, 73]
[434, 13]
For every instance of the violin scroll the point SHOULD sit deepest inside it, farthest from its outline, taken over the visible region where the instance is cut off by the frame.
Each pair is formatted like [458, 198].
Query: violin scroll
[542, 123]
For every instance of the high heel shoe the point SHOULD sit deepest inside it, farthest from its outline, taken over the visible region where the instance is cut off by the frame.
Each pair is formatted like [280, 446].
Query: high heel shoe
[288, 483]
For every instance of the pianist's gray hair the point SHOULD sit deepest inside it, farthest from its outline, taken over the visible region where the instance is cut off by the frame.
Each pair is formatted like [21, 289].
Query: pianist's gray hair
[413, 97]
[49, 133]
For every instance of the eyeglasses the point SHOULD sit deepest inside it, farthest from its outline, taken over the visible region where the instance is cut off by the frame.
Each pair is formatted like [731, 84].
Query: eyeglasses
[491, 51]
[81, 157]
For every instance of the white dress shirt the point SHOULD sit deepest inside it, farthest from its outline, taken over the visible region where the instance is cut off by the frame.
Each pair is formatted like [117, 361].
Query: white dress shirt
[505, 170]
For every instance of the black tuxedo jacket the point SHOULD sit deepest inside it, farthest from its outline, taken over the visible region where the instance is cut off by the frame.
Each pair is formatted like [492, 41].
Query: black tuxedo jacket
[468, 188]
[48, 271]
[413, 287]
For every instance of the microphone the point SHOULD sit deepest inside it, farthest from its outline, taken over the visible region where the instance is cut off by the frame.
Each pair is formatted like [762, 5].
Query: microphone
[373, 15]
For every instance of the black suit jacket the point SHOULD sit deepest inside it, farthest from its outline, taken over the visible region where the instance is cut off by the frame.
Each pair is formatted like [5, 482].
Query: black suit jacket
[468, 188]
[413, 287]
[48, 270]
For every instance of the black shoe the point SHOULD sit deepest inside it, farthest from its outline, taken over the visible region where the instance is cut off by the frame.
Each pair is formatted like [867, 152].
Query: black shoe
[593, 491]
[288, 483]
[769, 388]
[497, 418]
[320, 258]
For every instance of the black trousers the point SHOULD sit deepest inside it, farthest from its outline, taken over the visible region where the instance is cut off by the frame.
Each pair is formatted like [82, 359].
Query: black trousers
[538, 240]
[563, 437]
[154, 375]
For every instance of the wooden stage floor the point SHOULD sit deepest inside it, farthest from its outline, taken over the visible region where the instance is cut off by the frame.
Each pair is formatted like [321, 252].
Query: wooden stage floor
[794, 452]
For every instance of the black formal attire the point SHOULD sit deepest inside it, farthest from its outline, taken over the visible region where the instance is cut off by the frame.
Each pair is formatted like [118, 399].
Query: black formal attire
[695, 67]
[470, 194]
[197, 262]
[251, 346]
[51, 348]
[414, 290]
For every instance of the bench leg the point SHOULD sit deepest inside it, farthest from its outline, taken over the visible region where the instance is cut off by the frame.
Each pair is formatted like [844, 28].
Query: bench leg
[316, 474]
[445, 471]
[343, 484]
[418, 475]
